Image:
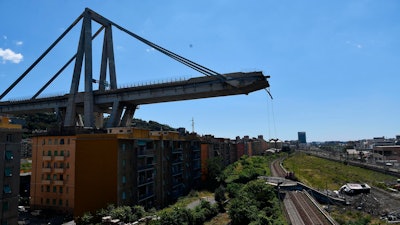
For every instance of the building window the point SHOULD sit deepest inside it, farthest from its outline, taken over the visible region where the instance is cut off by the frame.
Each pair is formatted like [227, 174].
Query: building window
[8, 171]
[6, 206]
[54, 201]
[7, 189]
[60, 202]
[56, 141]
[9, 138]
[62, 152]
[61, 190]
[61, 141]
[41, 188]
[43, 154]
[123, 147]
[123, 195]
[9, 155]
[47, 201]
[4, 222]
[123, 179]
[49, 142]
[54, 189]
[55, 177]
[47, 189]
[55, 153]
[49, 153]
[43, 142]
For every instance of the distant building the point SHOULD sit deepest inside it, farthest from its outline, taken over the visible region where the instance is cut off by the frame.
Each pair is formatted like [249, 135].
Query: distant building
[388, 153]
[302, 137]
[382, 141]
[10, 146]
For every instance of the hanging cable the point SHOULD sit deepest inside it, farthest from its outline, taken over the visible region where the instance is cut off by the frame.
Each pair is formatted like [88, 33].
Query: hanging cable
[272, 113]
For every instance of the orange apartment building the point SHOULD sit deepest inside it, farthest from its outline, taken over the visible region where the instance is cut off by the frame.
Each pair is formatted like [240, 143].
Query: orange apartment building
[53, 173]
[125, 166]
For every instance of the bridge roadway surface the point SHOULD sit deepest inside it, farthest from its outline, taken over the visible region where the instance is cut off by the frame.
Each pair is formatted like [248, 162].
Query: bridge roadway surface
[194, 88]
[299, 206]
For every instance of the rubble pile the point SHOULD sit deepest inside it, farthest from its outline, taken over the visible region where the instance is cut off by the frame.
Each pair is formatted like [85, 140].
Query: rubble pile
[377, 203]
[367, 203]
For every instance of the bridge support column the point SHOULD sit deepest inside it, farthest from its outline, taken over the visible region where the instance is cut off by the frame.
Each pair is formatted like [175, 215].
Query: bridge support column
[88, 96]
[126, 120]
[115, 116]
[99, 119]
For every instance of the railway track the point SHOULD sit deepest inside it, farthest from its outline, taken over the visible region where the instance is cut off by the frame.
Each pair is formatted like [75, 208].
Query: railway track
[300, 208]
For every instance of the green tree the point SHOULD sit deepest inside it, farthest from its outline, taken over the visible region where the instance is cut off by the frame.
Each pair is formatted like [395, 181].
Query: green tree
[215, 167]
[176, 216]
[86, 219]
[138, 212]
[219, 196]
[123, 213]
[242, 210]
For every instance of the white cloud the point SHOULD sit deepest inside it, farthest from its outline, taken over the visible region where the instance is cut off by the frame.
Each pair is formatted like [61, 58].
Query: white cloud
[19, 43]
[4, 37]
[120, 48]
[9, 55]
[354, 44]
[150, 49]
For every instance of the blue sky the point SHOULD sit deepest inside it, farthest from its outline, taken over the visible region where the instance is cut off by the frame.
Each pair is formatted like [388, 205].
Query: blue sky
[334, 65]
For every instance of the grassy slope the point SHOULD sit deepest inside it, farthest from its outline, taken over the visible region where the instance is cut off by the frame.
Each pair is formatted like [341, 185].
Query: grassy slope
[321, 173]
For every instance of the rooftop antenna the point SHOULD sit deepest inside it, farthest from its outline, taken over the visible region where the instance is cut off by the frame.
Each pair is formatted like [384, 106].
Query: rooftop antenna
[192, 125]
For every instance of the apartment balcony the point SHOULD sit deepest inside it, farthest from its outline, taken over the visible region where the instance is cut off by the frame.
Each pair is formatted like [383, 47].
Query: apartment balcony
[145, 152]
[59, 170]
[196, 166]
[145, 167]
[46, 170]
[46, 182]
[196, 175]
[176, 184]
[176, 193]
[177, 172]
[145, 196]
[145, 181]
[58, 182]
[59, 158]
[177, 161]
[46, 158]
[176, 151]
